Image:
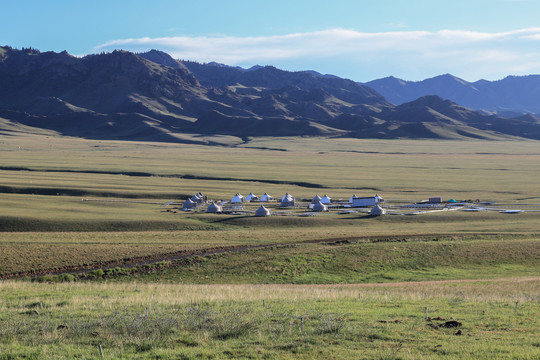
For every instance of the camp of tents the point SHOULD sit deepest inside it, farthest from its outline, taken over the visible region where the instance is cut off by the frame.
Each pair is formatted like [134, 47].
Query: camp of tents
[238, 204]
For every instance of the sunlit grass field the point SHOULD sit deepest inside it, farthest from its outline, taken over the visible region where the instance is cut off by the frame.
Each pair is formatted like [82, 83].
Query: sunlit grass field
[46, 180]
[68, 204]
[487, 170]
[492, 319]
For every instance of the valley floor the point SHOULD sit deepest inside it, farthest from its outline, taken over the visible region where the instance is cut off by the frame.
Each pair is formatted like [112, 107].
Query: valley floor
[122, 273]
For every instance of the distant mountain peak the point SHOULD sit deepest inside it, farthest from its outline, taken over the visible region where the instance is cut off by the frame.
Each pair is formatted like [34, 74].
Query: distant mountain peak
[450, 78]
[162, 58]
[254, 67]
[513, 94]
[213, 63]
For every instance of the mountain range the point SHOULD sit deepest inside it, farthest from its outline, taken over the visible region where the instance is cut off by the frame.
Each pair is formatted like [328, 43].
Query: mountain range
[153, 97]
[509, 97]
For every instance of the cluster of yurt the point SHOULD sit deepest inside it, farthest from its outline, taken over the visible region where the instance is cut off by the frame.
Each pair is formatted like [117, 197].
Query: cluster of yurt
[199, 198]
[318, 203]
[189, 205]
[287, 200]
[194, 201]
[325, 199]
[238, 198]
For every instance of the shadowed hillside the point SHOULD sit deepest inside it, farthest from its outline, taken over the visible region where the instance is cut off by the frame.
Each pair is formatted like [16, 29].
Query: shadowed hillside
[151, 96]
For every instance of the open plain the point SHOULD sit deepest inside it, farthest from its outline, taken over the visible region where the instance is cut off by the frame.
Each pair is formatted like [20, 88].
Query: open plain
[94, 260]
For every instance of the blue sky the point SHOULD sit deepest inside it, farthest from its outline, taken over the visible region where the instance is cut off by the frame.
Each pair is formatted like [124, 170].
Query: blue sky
[360, 40]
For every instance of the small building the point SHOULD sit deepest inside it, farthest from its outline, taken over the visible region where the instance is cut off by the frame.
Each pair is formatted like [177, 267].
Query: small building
[326, 199]
[251, 197]
[266, 197]
[366, 201]
[319, 206]
[189, 205]
[237, 199]
[316, 199]
[287, 200]
[377, 211]
[262, 211]
[435, 200]
[214, 208]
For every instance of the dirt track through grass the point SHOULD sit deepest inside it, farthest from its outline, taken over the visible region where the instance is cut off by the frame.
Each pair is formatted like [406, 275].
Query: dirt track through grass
[186, 254]
[179, 259]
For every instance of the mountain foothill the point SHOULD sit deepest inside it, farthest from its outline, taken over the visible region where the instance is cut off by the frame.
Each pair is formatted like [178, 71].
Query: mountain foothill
[152, 97]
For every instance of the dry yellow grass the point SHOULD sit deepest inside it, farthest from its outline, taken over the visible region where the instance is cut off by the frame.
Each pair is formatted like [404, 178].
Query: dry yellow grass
[489, 170]
[118, 295]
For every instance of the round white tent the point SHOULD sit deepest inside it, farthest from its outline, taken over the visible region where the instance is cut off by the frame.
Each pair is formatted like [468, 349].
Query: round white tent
[377, 211]
[325, 199]
[213, 208]
[262, 211]
[319, 206]
[287, 200]
[266, 197]
[352, 197]
[237, 199]
[189, 204]
[197, 198]
[316, 199]
[251, 197]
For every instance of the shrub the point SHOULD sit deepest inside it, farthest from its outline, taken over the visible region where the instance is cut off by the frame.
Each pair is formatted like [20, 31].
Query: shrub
[65, 277]
[99, 273]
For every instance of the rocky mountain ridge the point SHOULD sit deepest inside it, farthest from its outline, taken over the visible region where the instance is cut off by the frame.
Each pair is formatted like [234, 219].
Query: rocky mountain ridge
[153, 97]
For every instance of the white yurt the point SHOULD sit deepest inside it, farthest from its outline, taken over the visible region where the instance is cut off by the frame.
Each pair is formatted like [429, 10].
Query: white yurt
[316, 199]
[325, 199]
[351, 199]
[262, 211]
[189, 204]
[378, 198]
[377, 211]
[237, 199]
[197, 198]
[214, 208]
[266, 197]
[319, 206]
[287, 200]
[251, 197]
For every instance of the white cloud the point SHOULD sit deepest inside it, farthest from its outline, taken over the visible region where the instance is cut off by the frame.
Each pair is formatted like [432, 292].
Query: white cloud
[464, 53]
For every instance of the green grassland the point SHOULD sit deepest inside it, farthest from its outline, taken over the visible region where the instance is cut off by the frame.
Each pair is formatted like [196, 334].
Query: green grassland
[363, 263]
[45, 181]
[75, 205]
[493, 319]
[27, 251]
